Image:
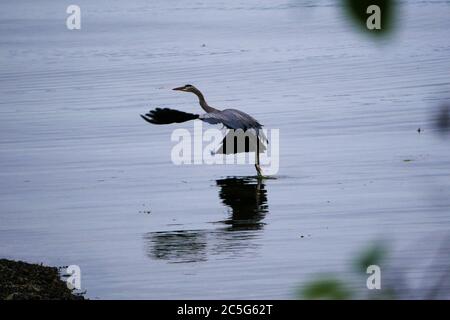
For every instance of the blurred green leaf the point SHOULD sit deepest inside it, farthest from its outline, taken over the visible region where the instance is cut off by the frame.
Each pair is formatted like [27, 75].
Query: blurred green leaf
[356, 10]
[371, 256]
[325, 288]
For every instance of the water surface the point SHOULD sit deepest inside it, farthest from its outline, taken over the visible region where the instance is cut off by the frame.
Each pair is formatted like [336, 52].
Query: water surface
[85, 181]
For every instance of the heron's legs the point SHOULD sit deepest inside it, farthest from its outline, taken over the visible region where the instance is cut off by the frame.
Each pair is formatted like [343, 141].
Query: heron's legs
[258, 168]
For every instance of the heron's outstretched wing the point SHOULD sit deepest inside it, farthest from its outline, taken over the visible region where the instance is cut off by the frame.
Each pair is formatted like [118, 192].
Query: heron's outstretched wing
[167, 116]
[232, 119]
[235, 119]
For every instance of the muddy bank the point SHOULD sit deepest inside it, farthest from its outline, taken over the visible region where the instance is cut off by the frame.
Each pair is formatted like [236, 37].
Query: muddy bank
[20, 280]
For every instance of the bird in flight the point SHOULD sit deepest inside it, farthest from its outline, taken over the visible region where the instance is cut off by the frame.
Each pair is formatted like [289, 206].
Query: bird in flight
[232, 119]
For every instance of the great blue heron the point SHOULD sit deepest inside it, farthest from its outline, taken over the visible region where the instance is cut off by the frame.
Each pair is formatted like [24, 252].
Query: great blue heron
[230, 118]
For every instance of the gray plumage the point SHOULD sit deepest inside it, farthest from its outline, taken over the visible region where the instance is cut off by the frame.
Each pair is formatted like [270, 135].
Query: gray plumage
[231, 118]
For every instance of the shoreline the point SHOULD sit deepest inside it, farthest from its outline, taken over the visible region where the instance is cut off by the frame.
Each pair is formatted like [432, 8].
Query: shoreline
[21, 280]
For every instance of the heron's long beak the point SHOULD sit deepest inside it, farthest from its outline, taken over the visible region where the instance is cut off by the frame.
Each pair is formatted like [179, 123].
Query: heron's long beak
[179, 89]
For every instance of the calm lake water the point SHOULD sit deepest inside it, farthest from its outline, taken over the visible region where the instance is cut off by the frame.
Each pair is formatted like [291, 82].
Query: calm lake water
[85, 181]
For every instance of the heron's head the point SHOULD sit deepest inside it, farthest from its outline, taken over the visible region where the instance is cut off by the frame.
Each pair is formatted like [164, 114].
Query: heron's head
[186, 88]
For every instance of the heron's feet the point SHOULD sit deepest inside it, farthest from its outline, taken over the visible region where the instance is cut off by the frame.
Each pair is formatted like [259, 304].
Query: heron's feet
[258, 169]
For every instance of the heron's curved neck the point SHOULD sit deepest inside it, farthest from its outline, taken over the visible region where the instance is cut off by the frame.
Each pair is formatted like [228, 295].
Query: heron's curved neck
[203, 102]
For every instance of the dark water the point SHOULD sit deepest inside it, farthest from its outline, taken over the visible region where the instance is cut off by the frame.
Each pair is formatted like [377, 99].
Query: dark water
[246, 201]
[85, 181]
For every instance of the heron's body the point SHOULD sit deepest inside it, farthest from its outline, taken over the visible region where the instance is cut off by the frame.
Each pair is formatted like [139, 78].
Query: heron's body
[230, 118]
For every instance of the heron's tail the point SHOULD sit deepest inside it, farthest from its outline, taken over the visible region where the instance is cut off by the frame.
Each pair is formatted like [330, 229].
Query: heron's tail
[167, 116]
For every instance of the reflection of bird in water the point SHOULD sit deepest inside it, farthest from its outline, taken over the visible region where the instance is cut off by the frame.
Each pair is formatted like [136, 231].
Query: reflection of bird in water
[247, 200]
[177, 246]
[230, 118]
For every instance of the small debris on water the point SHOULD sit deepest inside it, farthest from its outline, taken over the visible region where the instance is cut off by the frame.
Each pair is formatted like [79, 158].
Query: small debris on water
[145, 211]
